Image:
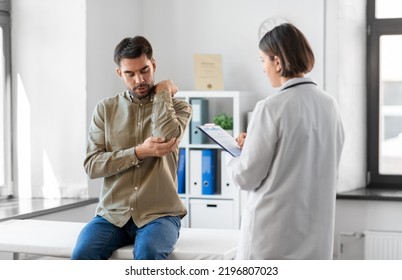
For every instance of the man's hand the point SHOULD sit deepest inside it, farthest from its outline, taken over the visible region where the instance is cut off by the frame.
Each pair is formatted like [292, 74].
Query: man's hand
[156, 147]
[240, 140]
[166, 85]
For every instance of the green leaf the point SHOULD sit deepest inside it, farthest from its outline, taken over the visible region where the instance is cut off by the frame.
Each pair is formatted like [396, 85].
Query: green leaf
[223, 120]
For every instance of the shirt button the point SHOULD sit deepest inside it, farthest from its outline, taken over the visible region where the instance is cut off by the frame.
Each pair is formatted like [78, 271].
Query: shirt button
[136, 188]
[131, 209]
[140, 104]
[139, 123]
[132, 162]
[138, 165]
[118, 169]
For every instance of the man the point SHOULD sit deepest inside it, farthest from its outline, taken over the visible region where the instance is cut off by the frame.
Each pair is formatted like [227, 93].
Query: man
[133, 144]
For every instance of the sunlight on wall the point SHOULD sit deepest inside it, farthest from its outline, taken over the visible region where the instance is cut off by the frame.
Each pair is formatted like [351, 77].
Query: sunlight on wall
[2, 116]
[50, 187]
[49, 56]
[23, 140]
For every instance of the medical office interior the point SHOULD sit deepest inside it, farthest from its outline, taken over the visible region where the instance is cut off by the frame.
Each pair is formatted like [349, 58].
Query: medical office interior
[59, 54]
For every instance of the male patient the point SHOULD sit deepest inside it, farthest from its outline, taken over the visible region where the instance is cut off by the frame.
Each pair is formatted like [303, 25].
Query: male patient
[133, 144]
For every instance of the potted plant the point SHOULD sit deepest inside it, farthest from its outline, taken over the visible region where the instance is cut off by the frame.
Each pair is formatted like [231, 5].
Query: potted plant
[224, 121]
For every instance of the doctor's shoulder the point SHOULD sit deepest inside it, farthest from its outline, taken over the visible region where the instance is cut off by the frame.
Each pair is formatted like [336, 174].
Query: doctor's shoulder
[272, 103]
[327, 98]
[266, 107]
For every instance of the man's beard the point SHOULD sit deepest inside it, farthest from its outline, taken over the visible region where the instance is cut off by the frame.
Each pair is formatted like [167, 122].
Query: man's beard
[144, 88]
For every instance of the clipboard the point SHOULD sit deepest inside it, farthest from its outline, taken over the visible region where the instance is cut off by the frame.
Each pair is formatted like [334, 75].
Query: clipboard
[221, 137]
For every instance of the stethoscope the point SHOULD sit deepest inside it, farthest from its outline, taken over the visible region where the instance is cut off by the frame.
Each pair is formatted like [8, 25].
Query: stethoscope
[297, 84]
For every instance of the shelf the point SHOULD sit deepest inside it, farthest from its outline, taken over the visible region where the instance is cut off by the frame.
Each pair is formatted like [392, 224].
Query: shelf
[203, 146]
[227, 197]
[208, 196]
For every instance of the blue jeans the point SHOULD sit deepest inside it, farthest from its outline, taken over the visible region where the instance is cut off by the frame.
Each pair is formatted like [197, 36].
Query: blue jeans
[154, 241]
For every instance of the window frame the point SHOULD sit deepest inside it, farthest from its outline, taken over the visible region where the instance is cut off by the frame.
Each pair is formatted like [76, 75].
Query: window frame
[5, 5]
[6, 190]
[377, 27]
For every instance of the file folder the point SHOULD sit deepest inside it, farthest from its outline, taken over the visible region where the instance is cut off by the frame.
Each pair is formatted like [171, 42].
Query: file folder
[181, 172]
[209, 166]
[195, 169]
[227, 187]
[199, 117]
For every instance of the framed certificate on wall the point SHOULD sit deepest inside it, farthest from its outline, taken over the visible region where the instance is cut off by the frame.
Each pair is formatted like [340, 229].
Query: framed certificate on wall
[208, 73]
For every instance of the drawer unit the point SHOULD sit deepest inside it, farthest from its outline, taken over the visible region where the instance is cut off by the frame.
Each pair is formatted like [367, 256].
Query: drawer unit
[212, 213]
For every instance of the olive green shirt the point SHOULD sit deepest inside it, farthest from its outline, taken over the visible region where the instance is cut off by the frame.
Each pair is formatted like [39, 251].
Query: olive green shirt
[146, 189]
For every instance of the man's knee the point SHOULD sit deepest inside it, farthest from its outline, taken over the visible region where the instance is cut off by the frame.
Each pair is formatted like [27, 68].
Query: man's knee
[82, 253]
[150, 251]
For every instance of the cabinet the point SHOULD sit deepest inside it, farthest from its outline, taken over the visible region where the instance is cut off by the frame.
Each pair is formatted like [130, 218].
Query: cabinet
[220, 208]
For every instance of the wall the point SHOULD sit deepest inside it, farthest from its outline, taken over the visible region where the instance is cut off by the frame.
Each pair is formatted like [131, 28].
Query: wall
[81, 214]
[345, 68]
[179, 28]
[335, 29]
[62, 61]
[107, 23]
[49, 80]
[356, 216]
[63, 65]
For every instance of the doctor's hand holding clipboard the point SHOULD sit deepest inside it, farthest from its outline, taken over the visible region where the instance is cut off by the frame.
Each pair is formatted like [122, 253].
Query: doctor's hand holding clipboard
[240, 139]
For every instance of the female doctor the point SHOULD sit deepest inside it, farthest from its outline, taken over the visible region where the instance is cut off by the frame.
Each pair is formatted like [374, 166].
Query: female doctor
[290, 157]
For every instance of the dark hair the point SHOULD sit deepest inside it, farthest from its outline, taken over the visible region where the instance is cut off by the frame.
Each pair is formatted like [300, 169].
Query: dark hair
[291, 46]
[132, 48]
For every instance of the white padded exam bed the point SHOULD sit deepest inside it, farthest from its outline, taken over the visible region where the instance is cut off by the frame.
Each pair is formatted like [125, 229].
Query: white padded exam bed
[57, 239]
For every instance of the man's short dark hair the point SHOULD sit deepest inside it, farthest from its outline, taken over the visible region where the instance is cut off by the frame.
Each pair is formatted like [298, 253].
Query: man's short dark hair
[132, 48]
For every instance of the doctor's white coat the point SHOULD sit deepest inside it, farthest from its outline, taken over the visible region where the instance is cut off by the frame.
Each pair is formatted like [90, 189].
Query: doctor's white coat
[289, 166]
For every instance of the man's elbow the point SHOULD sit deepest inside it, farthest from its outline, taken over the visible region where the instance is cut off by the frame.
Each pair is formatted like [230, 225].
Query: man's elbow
[169, 133]
[90, 170]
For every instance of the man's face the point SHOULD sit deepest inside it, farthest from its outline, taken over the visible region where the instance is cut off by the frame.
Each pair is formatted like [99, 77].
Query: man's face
[137, 74]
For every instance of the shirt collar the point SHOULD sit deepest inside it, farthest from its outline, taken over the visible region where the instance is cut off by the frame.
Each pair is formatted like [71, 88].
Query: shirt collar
[134, 99]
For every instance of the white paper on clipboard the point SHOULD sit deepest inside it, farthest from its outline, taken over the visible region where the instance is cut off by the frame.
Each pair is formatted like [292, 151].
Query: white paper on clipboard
[222, 138]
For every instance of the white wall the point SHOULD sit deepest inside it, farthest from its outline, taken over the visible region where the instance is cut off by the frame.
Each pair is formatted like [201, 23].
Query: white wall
[335, 29]
[49, 79]
[81, 214]
[108, 22]
[62, 55]
[345, 69]
[63, 65]
[180, 28]
[356, 216]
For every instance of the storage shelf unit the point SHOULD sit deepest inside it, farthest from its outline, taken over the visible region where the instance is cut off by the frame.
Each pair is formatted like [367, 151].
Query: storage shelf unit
[223, 208]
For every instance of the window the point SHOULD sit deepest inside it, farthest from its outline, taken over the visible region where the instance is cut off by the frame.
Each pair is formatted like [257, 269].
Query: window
[5, 103]
[384, 89]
